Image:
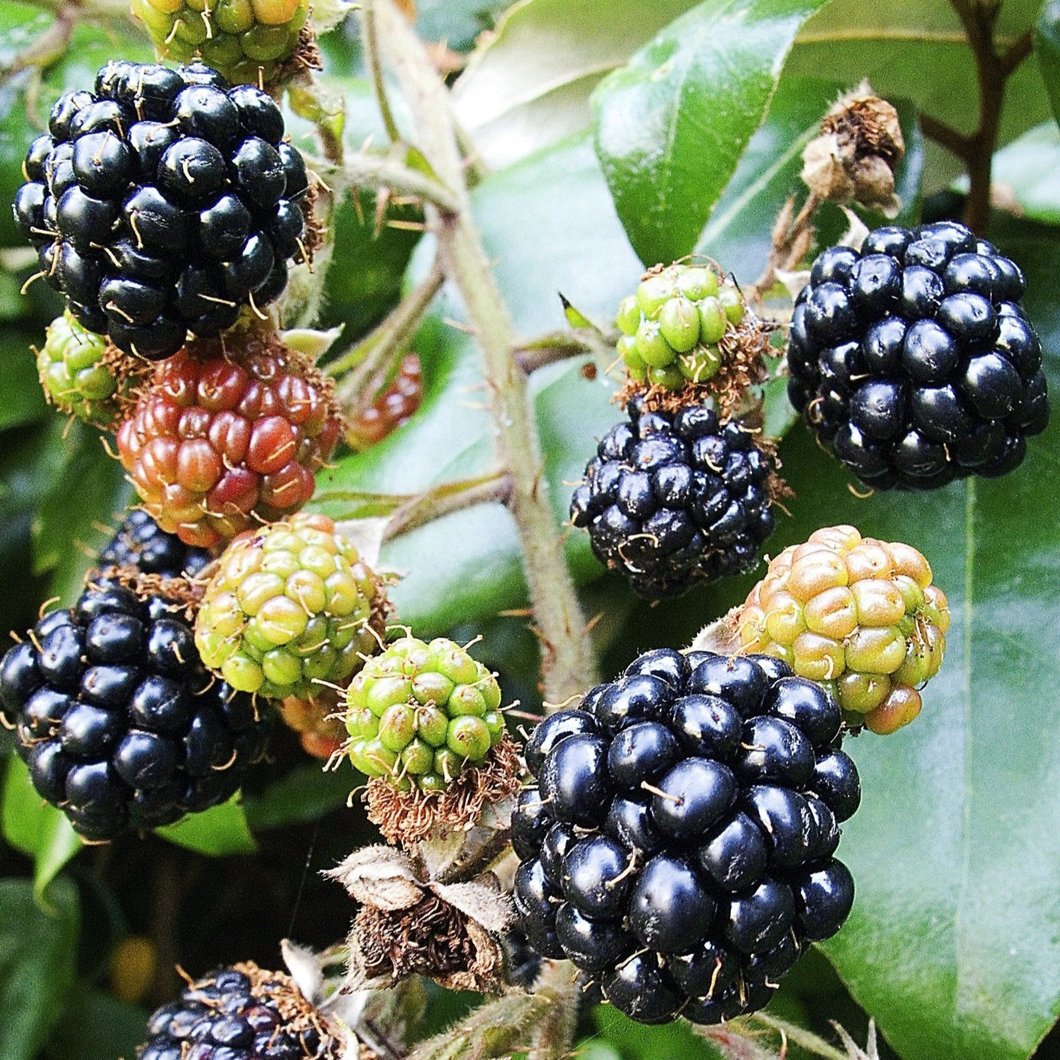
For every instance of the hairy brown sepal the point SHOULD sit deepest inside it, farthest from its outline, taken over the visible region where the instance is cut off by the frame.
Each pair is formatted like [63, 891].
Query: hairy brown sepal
[184, 594]
[406, 817]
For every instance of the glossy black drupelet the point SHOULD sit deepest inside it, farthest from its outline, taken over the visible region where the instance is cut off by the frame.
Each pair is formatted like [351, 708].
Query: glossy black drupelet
[229, 1016]
[678, 846]
[672, 500]
[118, 720]
[163, 202]
[141, 544]
[912, 360]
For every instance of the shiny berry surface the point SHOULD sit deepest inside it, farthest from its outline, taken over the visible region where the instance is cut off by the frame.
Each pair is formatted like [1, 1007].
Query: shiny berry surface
[913, 361]
[163, 202]
[678, 844]
[221, 442]
[675, 500]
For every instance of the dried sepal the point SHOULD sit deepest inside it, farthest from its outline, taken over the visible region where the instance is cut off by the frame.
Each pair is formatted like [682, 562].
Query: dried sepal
[856, 153]
[406, 817]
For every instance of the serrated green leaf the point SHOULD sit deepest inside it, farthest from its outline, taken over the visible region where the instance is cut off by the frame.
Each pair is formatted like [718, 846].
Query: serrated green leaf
[35, 827]
[672, 125]
[218, 832]
[529, 84]
[1047, 47]
[952, 943]
[38, 950]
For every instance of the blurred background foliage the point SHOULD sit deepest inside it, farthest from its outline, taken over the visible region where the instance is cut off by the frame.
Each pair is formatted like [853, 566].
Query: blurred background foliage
[954, 942]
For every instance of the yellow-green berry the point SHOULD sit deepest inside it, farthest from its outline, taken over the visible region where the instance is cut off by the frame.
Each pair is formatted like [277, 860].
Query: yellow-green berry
[245, 40]
[858, 615]
[291, 608]
[431, 707]
[74, 373]
[672, 325]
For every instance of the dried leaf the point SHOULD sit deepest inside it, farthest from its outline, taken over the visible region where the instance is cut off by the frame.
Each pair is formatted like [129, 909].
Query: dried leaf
[379, 876]
[306, 969]
[719, 636]
[313, 343]
[477, 902]
[366, 535]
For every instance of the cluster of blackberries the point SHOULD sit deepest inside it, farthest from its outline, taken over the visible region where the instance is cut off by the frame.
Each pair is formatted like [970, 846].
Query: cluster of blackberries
[678, 844]
[118, 720]
[913, 361]
[240, 1013]
[675, 499]
[142, 544]
[162, 203]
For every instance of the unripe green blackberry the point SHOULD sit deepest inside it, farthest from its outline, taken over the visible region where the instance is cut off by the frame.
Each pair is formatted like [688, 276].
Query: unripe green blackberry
[245, 40]
[672, 326]
[857, 615]
[291, 607]
[73, 369]
[418, 712]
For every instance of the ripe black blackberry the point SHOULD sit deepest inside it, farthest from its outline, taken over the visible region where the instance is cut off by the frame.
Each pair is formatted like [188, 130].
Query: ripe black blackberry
[142, 544]
[118, 720]
[675, 499]
[163, 202]
[678, 846]
[242, 1013]
[913, 361]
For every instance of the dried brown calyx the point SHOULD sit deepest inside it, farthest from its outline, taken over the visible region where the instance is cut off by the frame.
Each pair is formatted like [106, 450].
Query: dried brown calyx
[855, 155]
[406, 817]
[413, 921]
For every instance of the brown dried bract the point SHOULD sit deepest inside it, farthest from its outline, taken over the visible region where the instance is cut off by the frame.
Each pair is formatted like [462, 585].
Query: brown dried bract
[185, 594]
[405, 817]
[744, 349]
[855, 156]
[430, 938]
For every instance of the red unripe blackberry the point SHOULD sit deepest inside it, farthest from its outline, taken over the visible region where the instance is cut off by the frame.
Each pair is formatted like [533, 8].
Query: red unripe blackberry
[226, 437]
[678, 845]
[392, 408]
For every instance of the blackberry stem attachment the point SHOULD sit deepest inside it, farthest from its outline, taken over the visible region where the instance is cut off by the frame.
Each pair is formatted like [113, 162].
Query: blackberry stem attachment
[993, 68]
[567, 663]
[450, 497]
[366, 169]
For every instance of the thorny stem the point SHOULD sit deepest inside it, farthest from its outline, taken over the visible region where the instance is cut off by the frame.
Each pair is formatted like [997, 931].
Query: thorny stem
[370, 38]
[380, 171]
[992, 69]
[561, 345]
[791, 239]
[567, 661]
[450, 497]
[364, 368]
[803, 1038]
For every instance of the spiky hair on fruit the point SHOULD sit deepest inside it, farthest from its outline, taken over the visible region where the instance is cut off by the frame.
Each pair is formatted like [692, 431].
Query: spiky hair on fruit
[860, 616]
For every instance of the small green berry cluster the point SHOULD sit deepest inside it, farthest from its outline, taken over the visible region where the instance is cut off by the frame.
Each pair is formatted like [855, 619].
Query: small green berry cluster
[246, 40]
[292, 607]
[74, 374]
[672, 326]
[419, 712]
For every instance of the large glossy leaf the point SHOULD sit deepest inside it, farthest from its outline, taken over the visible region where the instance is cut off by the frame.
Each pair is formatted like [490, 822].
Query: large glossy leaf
[456, 23]
[35, 827]
[1047, 46]
[952, 944]
[671, 125]
[1024, 176]
[916, 50]
[37, 956]
[529, 84]
[218, 832]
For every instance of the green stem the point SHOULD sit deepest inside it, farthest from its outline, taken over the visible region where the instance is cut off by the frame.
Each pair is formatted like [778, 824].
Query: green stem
[380, 171]
[450, 497]
[371, 49]
[803, 1038]
[567, 660]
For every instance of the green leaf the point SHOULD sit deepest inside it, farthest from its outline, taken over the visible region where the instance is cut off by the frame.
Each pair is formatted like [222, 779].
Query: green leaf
[37, 954]
[1024, 175]
[672, 125]
[952, 944]
[80, 511]
[96, 1026]
[916, 50]
[35, 827]
[456, 23]
[217, 832]
[675, 1041]
[1047, 47]
[21, 397]
[303, 795]
[528, 86]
